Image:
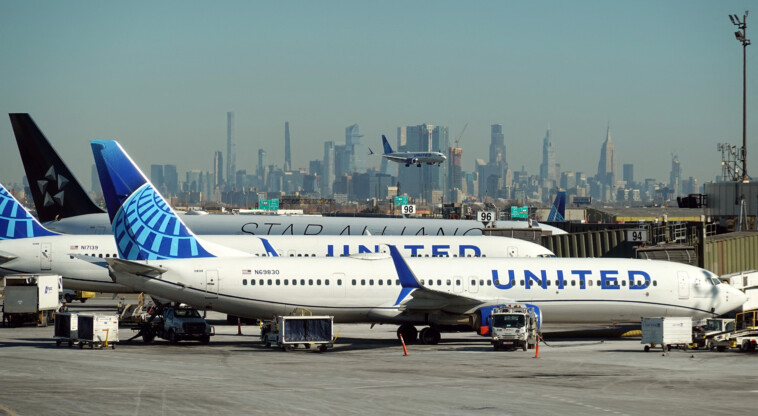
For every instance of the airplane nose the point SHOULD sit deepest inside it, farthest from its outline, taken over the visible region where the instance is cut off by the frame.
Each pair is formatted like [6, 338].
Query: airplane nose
[734, 299]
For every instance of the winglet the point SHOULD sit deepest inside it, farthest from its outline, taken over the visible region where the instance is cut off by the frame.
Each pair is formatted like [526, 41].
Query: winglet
[16, 222]
[144, 225]
[370, 152]
[386, 144]
[408, 280]
[269, 248]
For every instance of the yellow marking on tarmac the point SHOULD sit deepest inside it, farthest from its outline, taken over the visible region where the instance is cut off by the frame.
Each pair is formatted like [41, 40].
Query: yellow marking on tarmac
[8, 411]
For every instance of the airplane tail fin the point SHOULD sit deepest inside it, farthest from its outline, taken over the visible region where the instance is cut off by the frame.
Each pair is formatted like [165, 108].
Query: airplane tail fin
[408, 280]
[558, 210]
[370, 152]
[144, 225]
[386, 144]
[56, 192]
[16, 222]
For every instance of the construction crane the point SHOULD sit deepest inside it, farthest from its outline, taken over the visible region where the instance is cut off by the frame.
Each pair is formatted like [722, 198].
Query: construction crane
[458, 139]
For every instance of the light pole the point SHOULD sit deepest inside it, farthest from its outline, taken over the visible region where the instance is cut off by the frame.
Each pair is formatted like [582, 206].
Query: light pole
[741, 36]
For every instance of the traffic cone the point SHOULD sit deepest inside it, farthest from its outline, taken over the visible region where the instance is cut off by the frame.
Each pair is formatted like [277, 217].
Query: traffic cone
[239, 326]
[405, 350]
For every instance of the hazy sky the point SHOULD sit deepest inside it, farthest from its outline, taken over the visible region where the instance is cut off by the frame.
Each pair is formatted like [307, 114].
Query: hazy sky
[160, 77]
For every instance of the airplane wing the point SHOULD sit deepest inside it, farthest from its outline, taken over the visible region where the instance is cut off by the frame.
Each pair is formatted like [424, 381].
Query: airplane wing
[134, 267]
[424, 299]
[396, 158]
[97, 261]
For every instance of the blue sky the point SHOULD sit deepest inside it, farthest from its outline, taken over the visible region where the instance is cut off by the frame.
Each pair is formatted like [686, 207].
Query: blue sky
[160, 77]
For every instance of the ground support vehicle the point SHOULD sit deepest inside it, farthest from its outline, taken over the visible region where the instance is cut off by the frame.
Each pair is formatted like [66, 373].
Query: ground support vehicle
[668, 332]
[174, 323]
[288, 332]
[97, 330]
[80, 295]
[705, 337]
[66, 328]
[31, 298]
[514, 326]
[744, 336]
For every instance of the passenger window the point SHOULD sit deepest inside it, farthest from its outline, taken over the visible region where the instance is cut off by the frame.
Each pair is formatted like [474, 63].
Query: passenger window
[318, 282]
[269, 282]
[278, 282]
[457, 282]
[489, 282]
[573, 283]
[261, 282]
[389, 282]
[252, 282]
[100, 255]
[286, 282]
[422, 281]
[397, 282]
[521, 282]
[473, 283]
[244, 282]
[439, 282]
[655, 283]
[448, 282]
[598, 283]
[371, 282]
[363, 282]
[310, 282]
[381, 282]
[354, 282]
[302, 282]
[339, 282]
[623, 283]
[326, 282]
[294, 282]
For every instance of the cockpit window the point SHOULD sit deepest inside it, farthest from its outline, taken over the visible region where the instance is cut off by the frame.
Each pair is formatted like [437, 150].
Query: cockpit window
[715, 281]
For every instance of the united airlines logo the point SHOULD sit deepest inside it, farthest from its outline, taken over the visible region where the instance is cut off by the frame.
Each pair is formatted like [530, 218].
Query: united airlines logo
[15, 221]
[541, 279]
[146, 229]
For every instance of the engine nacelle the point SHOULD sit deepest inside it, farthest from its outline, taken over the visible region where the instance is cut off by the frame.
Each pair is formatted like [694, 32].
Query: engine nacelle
[481, 320]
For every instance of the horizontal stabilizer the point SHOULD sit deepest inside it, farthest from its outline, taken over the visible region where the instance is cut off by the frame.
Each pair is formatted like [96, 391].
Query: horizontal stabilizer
[133, 267]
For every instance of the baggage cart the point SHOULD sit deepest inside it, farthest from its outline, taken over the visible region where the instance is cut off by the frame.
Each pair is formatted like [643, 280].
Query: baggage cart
[66, 326]
[288, 332]
[97, 330]
[668, 332]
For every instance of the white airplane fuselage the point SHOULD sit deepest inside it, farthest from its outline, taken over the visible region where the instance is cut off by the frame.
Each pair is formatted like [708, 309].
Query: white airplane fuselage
[366, 290]
[56, 254]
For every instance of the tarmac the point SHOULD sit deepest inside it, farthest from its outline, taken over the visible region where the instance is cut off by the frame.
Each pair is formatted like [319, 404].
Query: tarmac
[365, 373]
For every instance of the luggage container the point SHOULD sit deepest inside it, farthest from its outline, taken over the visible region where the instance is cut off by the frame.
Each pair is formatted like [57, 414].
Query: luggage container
[668, 332]
[66, 325]
[31, 298]
[97, 330]
[288, 332]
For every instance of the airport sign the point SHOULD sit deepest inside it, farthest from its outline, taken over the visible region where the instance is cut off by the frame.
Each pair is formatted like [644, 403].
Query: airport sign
[408, 209]
[519, 212]
[485, 216]
[272, 204]
[401, 200]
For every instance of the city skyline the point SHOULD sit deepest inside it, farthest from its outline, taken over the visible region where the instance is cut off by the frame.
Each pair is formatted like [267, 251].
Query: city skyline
[664, 85]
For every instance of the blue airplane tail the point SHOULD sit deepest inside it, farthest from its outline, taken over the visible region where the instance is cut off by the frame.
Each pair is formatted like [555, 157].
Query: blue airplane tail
[558, 210]
[387, 147]
[16, 222]
[144, 225]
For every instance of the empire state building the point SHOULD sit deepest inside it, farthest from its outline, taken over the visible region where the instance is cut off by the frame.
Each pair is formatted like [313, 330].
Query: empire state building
[606, 168]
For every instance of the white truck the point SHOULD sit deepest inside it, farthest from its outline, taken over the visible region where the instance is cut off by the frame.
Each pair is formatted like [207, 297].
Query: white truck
[514, 326]
[176, 323]
[31, 298]
[705, 337]
[288, 332]
[668, 332]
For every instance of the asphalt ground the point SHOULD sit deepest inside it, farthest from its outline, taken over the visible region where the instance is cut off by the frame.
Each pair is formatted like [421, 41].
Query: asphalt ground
[365, 373]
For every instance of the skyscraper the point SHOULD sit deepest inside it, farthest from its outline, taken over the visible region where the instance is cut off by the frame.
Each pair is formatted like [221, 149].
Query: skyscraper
[171, 179]
[547, 168]
[231, 166]
[628, 173]
[156, 177]
[606, 168]
[356, 149]
[218, 169]
[675, 178]
[287, 154]
[497, 145]
[327, 176]
[260, 172]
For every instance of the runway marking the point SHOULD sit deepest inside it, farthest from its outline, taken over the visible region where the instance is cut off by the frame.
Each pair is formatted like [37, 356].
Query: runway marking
[8, 411]
[589, 406]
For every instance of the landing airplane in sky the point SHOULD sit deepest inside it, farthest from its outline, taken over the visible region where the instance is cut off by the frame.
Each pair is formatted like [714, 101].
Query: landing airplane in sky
[411, 158]
[63, 205]
[160, 255]
[28, 247]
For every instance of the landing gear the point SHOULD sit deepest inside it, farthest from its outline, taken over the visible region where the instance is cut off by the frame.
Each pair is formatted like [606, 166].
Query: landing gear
[430, 336]
[408, 332]
[419, 165]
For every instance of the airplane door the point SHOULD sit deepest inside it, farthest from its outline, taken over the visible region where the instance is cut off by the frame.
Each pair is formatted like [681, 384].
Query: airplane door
[45, 256]
[473, 284]
[458, 284]
[512, 251]
[338, 284]
[684, 285]
[211, 284]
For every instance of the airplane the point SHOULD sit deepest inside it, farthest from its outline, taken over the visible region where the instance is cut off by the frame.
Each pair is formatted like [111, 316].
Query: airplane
[26, 246]
[410, 158]
[63, 205]
[558, 209]
[175, 264]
